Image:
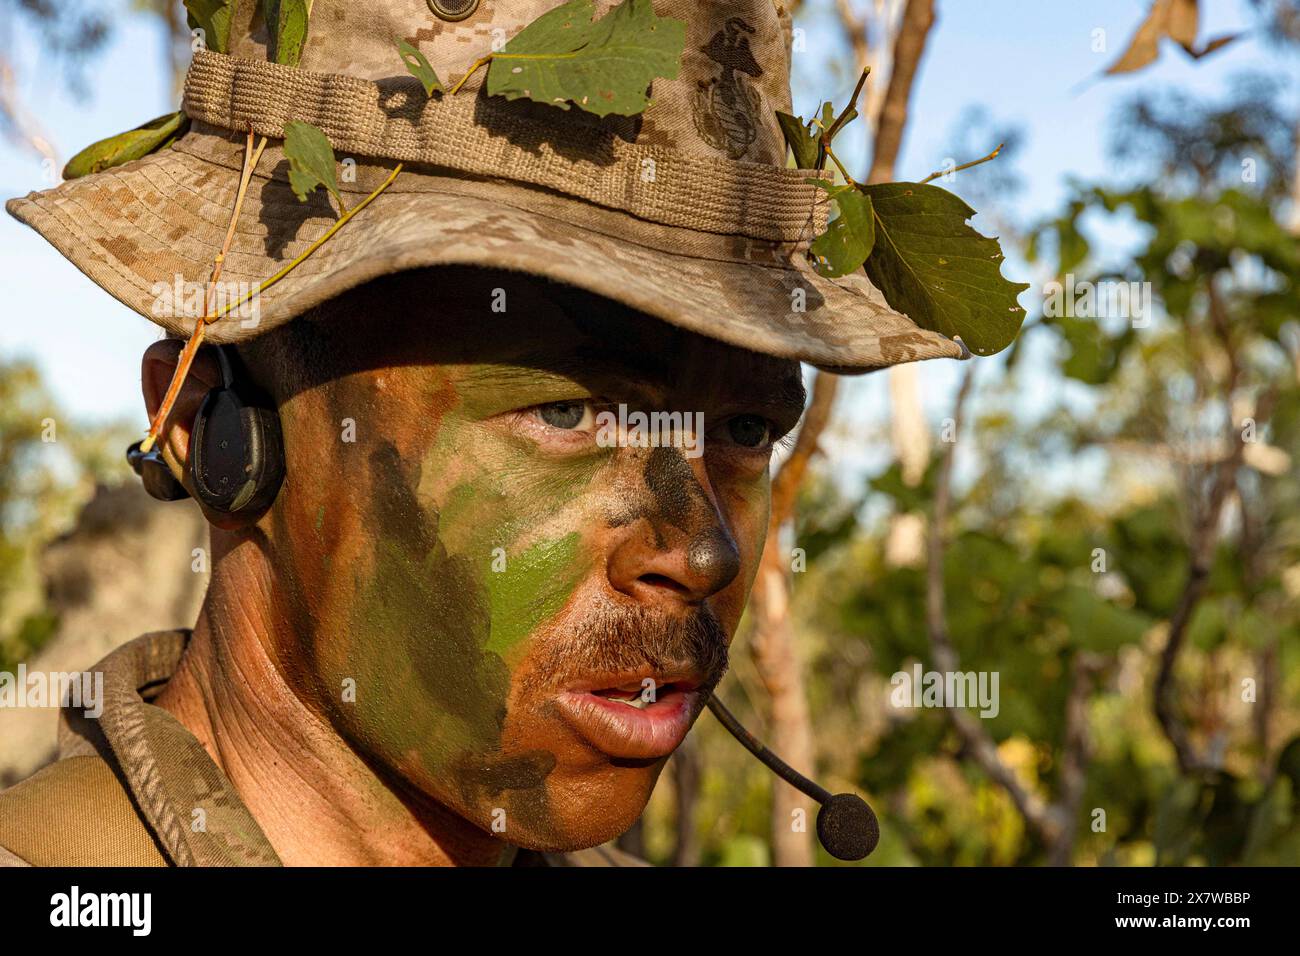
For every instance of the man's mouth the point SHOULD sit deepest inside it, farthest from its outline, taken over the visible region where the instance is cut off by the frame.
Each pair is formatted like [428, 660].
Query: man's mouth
[632, 716]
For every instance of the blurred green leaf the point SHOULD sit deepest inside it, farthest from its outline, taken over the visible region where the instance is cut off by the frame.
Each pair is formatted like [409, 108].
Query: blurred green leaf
[1098, 624]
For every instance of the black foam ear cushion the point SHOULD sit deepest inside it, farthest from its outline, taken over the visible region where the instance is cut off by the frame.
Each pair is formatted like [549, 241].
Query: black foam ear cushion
[236, 454]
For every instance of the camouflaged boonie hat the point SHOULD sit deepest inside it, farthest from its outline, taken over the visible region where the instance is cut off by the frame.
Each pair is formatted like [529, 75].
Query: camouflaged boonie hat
[686, 211]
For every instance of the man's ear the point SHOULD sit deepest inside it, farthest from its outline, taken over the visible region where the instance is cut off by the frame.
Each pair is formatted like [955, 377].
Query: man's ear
[156, 371]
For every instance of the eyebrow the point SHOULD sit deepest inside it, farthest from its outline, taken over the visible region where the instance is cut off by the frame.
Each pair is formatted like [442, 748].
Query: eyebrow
[783, 399]
[789, 390]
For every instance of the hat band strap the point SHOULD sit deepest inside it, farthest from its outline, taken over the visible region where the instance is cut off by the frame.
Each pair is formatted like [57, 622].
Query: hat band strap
[478, 135]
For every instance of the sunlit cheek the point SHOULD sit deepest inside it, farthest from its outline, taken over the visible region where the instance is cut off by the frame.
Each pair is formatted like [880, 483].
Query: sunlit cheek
[748, 507]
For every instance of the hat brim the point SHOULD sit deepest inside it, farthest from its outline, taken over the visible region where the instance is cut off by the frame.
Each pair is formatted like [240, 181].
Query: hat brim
[139, 229]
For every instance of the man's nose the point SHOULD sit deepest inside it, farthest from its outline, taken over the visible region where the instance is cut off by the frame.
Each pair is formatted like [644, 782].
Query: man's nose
[677, 548]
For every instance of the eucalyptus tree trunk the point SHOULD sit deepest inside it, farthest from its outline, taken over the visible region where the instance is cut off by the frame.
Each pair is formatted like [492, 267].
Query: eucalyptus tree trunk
[909, 435]
[775, 648]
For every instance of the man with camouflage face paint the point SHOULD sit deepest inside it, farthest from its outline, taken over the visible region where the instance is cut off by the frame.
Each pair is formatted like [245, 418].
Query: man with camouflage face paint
[475, 620]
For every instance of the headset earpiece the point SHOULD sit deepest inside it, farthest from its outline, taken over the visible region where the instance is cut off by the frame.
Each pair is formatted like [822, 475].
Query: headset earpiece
[236, 454]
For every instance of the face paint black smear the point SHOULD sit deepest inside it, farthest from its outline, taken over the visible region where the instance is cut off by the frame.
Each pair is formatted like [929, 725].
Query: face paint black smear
[677, 500]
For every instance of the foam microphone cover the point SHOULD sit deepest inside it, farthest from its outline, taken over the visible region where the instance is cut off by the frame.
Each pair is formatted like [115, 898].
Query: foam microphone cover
[847, 827]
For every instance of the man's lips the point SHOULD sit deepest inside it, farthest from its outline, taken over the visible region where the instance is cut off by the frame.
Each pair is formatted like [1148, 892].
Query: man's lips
[647, 731]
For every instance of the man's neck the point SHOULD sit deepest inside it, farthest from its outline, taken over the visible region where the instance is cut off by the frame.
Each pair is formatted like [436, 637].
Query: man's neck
[316, 800]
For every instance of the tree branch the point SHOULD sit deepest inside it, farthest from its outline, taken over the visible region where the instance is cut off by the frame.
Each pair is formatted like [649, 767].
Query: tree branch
[973, 736]
[1205, 535]
[855, 29]
[1074, 762]
[773, 643]
[18, 125]
[909, 45]
[785, 484]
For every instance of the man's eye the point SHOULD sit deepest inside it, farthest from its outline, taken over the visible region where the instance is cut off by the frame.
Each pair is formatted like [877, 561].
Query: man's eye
[750, 431]
[566, 415]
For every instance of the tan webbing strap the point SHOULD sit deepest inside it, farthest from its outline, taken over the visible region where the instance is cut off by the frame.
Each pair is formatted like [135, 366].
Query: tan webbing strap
[479, 136]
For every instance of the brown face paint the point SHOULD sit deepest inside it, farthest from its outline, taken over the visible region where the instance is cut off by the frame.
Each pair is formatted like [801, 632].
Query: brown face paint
[673, 489]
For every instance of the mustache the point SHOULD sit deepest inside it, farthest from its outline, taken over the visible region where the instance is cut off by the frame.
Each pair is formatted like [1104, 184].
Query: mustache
[615, 639]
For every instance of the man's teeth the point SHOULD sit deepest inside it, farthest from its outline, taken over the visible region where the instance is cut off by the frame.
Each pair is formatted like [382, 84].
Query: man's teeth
[638, 701]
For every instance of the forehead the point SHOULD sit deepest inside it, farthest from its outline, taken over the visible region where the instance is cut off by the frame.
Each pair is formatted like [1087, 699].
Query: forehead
[479, 324]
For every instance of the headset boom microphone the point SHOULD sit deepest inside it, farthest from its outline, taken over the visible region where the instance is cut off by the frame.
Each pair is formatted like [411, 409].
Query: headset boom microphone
[846, 824]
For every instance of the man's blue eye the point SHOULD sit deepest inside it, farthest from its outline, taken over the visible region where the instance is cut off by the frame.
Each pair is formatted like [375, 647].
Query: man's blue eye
[563, 414]
[749, 431]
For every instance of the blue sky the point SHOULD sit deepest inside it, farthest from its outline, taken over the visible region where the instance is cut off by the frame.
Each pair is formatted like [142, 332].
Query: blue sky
[1024, 61]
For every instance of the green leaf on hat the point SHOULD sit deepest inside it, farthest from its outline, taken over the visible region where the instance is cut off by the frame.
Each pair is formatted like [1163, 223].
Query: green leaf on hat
[286, 22]
[828, 117]
[804, 145]
[213, 17]
[311, 160]
[124, 147]
[603, 66]
[849, 237]
[418, 66]
[937, 270]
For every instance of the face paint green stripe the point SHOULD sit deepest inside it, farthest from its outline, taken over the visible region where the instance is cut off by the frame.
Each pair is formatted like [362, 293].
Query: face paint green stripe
[533, 587]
